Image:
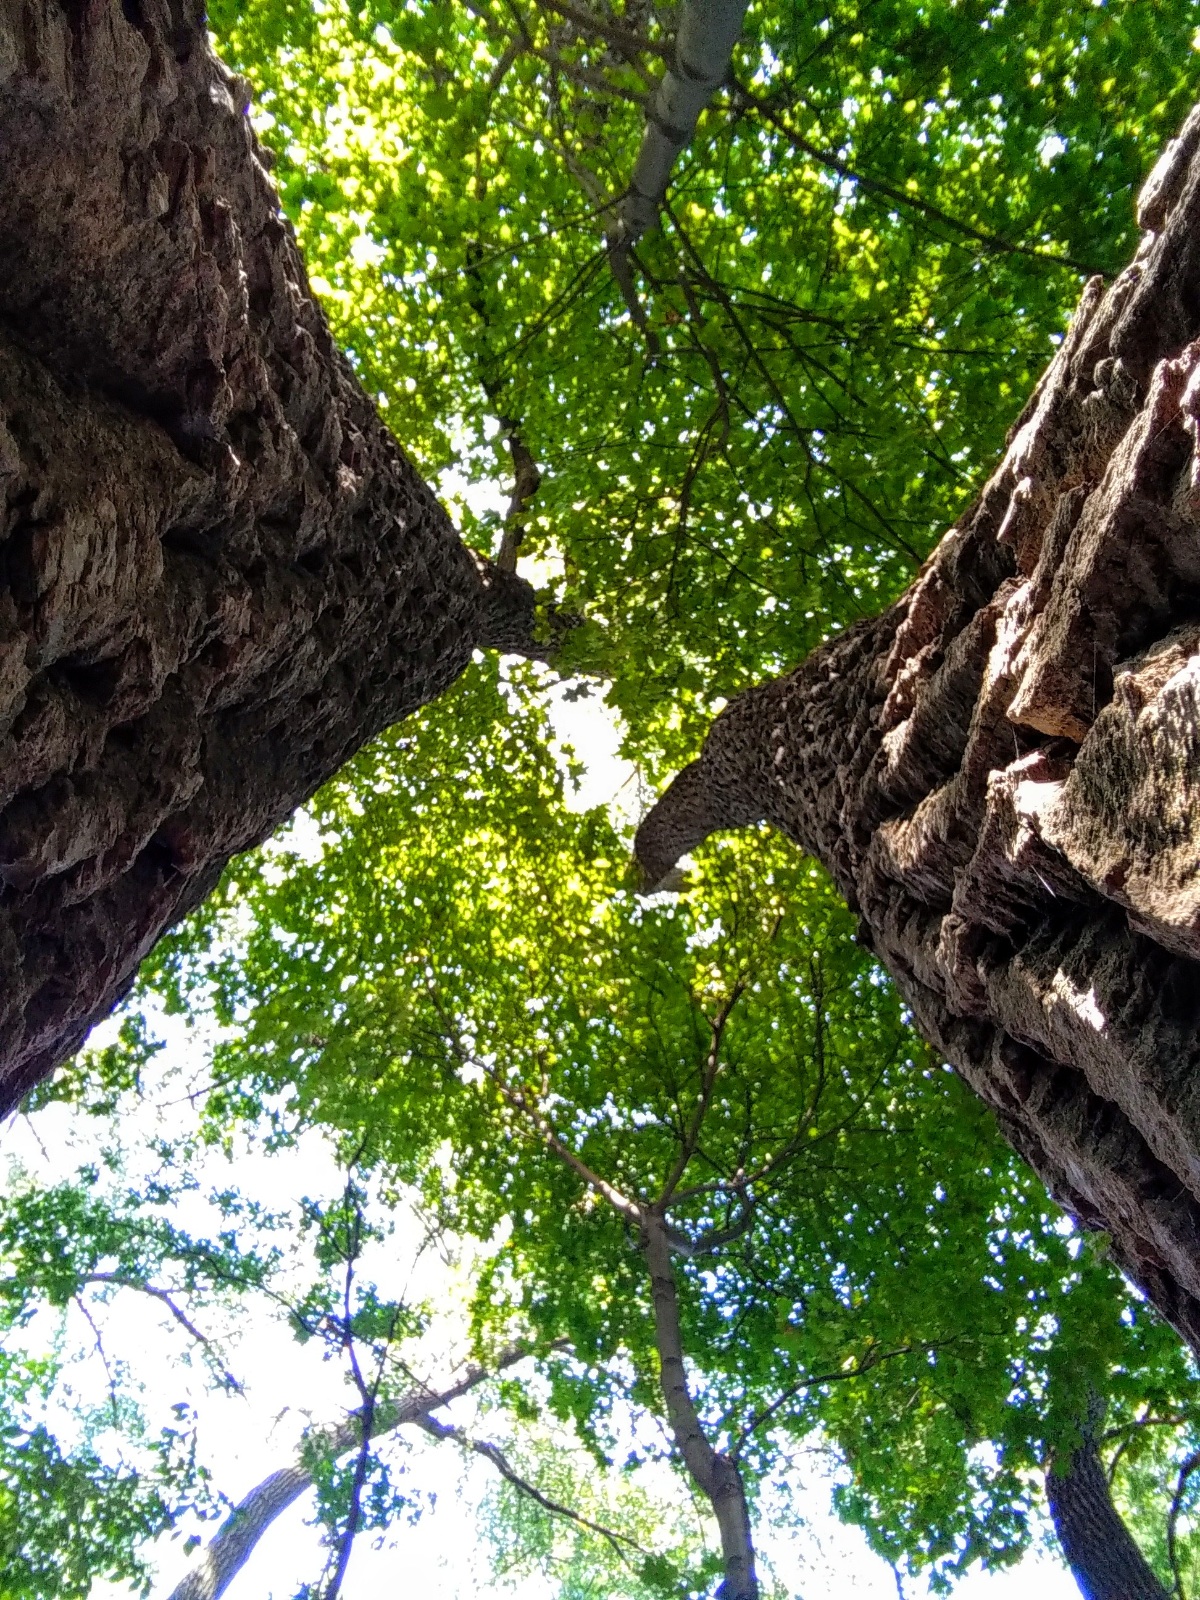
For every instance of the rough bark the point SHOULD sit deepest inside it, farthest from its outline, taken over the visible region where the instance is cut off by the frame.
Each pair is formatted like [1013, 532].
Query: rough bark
[1103, 1557]
[1002, 772]
[219, 574]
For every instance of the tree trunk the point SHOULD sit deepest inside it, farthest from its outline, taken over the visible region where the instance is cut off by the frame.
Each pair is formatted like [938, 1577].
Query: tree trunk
[715, 1474]
[1102, 1555]
[1002, 772]
[220, 573]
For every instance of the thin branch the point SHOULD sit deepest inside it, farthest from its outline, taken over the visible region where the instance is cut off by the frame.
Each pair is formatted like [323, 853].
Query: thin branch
[232, 1544]
[103, 1354]
[991, 242]
[539, 1122]
[630, 44]
[860, 1369]
[712, 1067]
[181, 1317]
[367, 1394]
[493, 1454]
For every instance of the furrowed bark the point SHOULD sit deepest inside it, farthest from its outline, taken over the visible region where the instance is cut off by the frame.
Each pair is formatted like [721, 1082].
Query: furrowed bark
[219, 574]
[715, 1474]
[1104, 1559]
[1002, 772]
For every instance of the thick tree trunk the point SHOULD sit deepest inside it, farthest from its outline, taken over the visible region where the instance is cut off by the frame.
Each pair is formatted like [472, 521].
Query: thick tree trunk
[220, 575]
[1002, 772]
[1102, 1555]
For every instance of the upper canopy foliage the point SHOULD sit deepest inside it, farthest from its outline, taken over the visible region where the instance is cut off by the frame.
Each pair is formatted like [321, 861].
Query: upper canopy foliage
[878, 229]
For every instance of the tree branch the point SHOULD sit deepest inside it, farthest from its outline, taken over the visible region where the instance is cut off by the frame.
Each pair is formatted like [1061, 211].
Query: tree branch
[122, 1282]
[232, 1545]
[712, 1066]
[1185, 1472]
[539, 1122]
[991, 242]
[708, 31]
[716, 1475]
[492, 1453]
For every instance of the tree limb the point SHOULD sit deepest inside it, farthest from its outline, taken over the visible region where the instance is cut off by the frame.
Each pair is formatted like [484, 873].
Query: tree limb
[181, 1317]
[716, 1475]
[708, 31]
[1101, 1552]
[232, 1545]
[621, 1542]
[1185, 1472]
[991, 242]
[712, 1066]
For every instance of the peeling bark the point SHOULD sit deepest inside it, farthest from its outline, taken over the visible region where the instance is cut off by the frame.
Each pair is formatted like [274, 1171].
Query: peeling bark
[1002, 772]
[219, 574]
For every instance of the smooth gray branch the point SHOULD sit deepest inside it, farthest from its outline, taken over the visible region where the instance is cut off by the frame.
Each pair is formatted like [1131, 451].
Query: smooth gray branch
[708, 31]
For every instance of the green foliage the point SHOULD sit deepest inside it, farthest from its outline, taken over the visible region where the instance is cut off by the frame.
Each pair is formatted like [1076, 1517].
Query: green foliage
[869, 246]
[82, 1506]
[1156, 1462]
[906, 1289]
[68, 1519]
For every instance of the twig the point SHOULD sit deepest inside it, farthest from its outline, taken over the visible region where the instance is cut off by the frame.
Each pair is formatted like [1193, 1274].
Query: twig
[991, 242]
[493, 1453]
[181, 1317]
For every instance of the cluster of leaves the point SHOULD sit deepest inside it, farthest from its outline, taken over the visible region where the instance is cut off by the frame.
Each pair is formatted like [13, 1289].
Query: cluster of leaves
[880, 225]
[906, 1289]
[85, 1485]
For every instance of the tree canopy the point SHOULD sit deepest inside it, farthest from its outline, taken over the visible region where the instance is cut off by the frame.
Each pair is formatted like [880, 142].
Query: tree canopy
[879, 228]
[714, 459]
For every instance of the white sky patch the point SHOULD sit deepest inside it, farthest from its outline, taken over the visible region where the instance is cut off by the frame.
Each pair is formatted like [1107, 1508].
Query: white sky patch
[1050, 147]
[593, 732]
[1081, 1001]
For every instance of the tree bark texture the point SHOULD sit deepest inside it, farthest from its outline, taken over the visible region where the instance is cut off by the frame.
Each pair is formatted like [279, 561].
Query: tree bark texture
[1002, 772]
[219, 574]
[1104, 1559]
